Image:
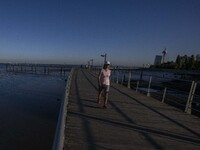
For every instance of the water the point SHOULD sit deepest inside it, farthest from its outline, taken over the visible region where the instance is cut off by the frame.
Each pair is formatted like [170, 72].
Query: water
[160, 76]
[29, 108]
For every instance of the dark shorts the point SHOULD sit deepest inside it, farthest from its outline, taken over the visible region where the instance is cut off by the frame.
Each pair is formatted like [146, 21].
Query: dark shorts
[105, 88]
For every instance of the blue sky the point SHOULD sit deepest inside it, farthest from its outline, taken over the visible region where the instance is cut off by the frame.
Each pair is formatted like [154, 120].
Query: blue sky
[131, 32]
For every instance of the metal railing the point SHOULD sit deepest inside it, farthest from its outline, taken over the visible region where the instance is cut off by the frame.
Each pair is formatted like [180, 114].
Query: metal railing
[59, 137]
[37, 68]
[174, 91]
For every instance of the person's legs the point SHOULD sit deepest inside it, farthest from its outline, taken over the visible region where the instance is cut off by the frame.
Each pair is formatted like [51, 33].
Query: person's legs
[99, 95]
[106, 99]
[106, 96]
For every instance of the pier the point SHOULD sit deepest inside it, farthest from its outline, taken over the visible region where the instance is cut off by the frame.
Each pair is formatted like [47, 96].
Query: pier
[131, 121]
[36, 68]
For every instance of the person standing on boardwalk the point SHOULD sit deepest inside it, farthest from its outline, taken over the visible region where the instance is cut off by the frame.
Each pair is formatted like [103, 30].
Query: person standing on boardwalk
[104, 83]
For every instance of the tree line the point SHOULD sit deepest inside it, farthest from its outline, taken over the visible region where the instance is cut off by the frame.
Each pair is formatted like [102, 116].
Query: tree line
[182, 62]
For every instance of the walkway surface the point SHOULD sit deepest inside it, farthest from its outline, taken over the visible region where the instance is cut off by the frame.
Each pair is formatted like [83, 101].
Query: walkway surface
[133, 121]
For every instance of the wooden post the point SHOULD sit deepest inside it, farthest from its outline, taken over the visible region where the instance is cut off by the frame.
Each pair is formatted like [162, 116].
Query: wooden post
[149, 86]
[129, 80]
[188, 108]
[117, 77]
[137, 85]
[61, 70]
[122, 80]
[189, 96]
[6, 67]
[9, 67]
[141, 74]
[164, 93]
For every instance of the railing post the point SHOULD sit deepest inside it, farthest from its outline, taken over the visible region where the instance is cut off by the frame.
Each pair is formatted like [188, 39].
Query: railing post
[122, 80]
[141, 74]
[164, 93]
[187, 104]
[129, 80]
[137, 85]
[111, 78]
[149, 86]
[188, 108]
[96, 70]
[117, 77]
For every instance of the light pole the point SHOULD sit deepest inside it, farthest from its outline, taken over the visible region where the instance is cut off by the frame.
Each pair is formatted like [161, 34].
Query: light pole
[89, 64]
[105, 55]
[92, 61]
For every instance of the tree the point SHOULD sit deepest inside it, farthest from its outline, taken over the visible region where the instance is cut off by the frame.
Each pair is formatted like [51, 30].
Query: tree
[192, 62]
[178, 61]
[184, 62]
[197, 65]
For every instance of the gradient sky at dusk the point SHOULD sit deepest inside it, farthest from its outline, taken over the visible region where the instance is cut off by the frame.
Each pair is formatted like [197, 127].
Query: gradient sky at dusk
[131, 32]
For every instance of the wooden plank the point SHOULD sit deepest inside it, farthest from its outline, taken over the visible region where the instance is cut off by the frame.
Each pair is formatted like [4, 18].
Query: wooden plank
[132, 121]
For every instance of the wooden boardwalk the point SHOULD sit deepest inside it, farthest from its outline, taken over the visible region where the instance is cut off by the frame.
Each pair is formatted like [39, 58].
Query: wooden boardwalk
[133, 121]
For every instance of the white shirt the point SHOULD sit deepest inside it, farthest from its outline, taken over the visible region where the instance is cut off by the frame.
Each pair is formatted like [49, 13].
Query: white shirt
[105, 77]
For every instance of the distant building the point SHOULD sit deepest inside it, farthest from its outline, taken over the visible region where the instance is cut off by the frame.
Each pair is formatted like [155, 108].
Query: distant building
[158, 60]
[198, 57]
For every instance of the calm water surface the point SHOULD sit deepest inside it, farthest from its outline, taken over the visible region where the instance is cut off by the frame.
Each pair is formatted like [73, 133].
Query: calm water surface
[29, 107]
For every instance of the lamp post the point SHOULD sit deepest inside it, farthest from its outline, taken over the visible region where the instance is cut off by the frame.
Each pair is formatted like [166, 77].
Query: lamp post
[92, 61]
[105, 55]
[88, 64]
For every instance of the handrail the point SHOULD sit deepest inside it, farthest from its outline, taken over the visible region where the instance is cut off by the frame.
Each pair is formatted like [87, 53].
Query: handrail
[181, 92]
[58, 143]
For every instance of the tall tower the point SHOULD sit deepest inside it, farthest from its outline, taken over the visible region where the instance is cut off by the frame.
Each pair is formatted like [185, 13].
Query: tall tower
[164, 55]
